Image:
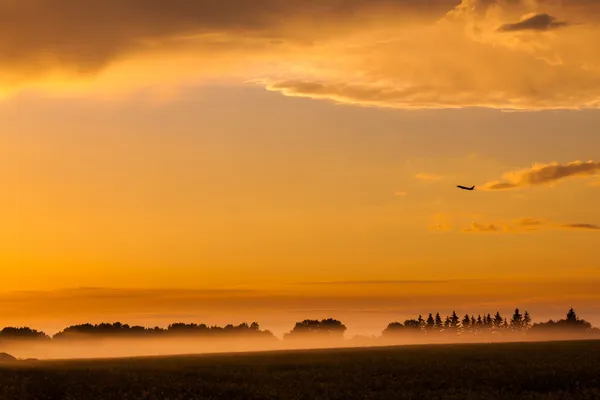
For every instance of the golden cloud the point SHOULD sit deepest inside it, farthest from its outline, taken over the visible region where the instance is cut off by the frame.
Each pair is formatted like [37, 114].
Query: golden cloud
[387, 53]
[541, 174]
[483, 228]
[524, 225]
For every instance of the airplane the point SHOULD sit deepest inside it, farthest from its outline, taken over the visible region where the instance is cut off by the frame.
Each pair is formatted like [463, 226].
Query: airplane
[466, 188]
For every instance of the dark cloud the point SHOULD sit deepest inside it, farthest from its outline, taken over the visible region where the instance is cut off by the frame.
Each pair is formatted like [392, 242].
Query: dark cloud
[382, 53]
[83, 36]
[524, 225]
[539, 22]
[582, 226]
[374, 282]
[544, 174]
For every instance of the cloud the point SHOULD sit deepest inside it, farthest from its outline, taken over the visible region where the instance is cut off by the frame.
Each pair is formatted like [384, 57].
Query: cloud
[582, 226]
[530, 222]
[405, 70]
[428, 177]
[544, 174]
[375, 282]
[482, 228]
[440, 227]
[385, 53]
[525, 225]
[537, 22]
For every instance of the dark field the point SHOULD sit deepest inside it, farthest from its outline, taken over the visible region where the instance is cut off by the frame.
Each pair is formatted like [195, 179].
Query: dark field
[559, 370]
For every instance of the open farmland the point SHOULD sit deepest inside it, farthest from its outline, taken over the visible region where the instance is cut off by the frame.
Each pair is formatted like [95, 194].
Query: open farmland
[553, 370]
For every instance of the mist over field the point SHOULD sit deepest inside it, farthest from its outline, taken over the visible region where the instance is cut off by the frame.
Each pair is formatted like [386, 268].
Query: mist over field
[81, 346]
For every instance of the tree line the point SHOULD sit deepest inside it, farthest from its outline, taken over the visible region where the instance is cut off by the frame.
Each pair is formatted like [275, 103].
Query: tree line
[488, 324]
[482, 325]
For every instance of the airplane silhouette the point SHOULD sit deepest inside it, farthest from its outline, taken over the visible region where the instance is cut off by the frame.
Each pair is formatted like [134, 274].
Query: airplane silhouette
[466, 188]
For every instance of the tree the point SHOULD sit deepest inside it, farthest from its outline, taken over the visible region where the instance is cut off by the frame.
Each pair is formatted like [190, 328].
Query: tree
[421, 322]
[466, 323]
[497, 320]
[517, 320]
[430, 324]
[454, 321]
[572, 317]
[526, 321]
[325, 328]
[447, 323]
[392, 329]
[332, 327]
[25, 333]
[438, 322]
[413, 324]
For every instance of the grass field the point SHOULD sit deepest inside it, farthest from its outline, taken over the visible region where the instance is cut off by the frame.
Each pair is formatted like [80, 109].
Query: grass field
[558, 370]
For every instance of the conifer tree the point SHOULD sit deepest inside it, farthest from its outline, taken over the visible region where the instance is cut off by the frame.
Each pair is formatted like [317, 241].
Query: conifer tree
[497, 320]
[430, 324]
[571, 316]
[516, 322]
[466, 323]
[438, 322]
[454, 321]
[526, 321]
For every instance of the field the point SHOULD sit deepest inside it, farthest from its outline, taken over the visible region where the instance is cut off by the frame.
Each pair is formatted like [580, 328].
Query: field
[558, 370]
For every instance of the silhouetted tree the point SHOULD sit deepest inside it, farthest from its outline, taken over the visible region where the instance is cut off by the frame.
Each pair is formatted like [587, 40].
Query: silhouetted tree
[413, 324]
[393, 328]
[430, 324]
[454, 321]
[497, 320]
[479, 326]
[517, 321]
[572, 316]
[175, 329]
[489, 322]
[526, 321]
[571, 325]
[330, 328]
[447, 323]
[26, 333]
[466, 323]
[421, 322]
[438, 322]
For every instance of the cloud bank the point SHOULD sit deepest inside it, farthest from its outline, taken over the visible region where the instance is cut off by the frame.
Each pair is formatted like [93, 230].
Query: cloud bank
[544, 174]
[505, 54]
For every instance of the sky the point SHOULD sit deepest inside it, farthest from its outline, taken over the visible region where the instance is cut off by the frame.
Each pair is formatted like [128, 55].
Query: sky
[220, 162]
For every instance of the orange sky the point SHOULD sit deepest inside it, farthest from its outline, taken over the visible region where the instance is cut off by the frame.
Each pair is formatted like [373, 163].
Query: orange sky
[153, 165]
